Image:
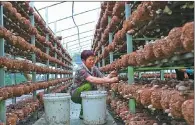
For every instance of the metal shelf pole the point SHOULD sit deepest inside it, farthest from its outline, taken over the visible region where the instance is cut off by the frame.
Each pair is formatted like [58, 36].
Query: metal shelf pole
[103, 59]
[111, 53]
[99, 61]
[32, 20]
[162, 75]
[13, 77]
[110, 41]
[47, 48]
[2, 71]
[129, 50]
[139, 75]
[55, 45]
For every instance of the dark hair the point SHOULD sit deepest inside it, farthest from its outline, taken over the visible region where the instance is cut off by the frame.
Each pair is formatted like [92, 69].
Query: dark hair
[179, 74]
[86, 53]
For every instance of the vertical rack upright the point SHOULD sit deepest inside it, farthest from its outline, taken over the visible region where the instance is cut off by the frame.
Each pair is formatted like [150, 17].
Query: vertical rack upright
[32, 20]
[110, 41]
[2, 71]
[47, 39]
[55, 45]
[130, 73]
[13, 77]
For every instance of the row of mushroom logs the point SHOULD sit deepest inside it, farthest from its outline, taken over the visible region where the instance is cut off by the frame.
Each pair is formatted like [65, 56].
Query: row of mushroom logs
[25, 24]
[24, 65]
[167, 95]
[23, 108]
[120, 108]
[25, 88]
[179, 40]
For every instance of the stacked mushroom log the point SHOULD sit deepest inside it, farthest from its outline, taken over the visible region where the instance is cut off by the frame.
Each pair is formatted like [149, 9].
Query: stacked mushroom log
[24, 28]
[120, 107]
[160, 49]
[99, 29]
[18, 65]
[172, 96]
[145, 12]
[17, 32]
[25, 88]
[22, 44]
[116, 12]
[117, 17]
[22, 109]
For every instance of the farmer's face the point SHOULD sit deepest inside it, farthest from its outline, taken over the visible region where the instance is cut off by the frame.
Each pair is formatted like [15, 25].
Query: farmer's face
[90, 61]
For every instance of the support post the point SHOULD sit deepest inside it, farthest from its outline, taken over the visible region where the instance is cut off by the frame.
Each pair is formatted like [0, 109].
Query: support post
[2, 71]
[103, 60]
[13, 77]
[110, 41]
[99, 61]
[32, 20]
[55, 45]
[111, 53]
[129, 50]
[162, 75]
[139, 75]
[47, 48]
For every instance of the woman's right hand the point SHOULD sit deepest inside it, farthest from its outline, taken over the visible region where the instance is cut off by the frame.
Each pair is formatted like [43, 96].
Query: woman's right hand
[112, 80]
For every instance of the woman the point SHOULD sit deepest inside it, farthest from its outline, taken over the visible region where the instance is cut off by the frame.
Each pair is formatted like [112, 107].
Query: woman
[181, 73]
[87, 76]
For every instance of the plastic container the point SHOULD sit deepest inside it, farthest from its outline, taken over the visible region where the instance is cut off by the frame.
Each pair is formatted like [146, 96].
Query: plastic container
[94, 107]
[57, 108]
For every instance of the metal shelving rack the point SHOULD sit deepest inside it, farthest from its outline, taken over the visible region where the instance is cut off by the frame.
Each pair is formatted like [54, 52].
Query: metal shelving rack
[160, 65]
[130, 73]
[47, 50]
[33, 59]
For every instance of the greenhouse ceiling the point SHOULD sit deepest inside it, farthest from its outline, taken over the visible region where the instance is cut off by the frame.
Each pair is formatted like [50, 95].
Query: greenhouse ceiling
[77, 30]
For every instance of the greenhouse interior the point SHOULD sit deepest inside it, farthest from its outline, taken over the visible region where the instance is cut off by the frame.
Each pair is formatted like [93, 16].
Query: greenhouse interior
[97, 63]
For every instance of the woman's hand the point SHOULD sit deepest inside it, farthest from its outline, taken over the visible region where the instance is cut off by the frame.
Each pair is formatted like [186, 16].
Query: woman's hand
[114, 79]
[113, 74]
[111, 80]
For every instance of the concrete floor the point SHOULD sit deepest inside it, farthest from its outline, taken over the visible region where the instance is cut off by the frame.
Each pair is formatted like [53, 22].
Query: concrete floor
[74, 117]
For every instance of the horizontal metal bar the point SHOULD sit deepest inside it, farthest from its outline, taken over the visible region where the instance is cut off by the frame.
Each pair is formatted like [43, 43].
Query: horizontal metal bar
[145, 39]
[81, 45]
[77, 39]
[160, 68]
[42, 19]
[80, 42]
[86, 47]
[77, 34]
[74, 15]
[75, 26]
[78, 48]
[51, 5]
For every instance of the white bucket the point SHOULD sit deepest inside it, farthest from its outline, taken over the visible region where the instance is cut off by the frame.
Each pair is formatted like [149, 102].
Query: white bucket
[94, 107]
[57, 108]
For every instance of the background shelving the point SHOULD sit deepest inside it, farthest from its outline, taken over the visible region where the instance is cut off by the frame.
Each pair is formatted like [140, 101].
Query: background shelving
[153, 37]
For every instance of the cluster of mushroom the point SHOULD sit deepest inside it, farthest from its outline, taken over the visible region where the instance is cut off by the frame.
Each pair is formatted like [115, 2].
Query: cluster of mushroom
[25, 24]
[25, 88]
[23, 65]
[179, 39]
[172, 96]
